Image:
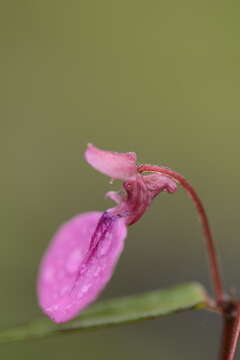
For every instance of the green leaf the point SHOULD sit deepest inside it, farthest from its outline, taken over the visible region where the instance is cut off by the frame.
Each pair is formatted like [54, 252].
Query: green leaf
[116, 312]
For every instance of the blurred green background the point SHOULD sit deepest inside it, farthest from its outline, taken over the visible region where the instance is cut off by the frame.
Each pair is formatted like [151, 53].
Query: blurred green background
[155, 77]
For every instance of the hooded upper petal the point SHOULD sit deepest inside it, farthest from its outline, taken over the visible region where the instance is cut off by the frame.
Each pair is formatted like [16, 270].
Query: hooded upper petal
[116, 165]
[139, 194]
[78, 263]
[156, 183]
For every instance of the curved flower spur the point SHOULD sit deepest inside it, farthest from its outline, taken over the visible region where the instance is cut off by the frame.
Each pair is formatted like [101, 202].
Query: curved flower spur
[83, 253]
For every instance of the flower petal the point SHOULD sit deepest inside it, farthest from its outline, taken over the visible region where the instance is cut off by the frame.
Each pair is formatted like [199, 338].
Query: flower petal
[78, 263]
[115, 196]
[116, 165]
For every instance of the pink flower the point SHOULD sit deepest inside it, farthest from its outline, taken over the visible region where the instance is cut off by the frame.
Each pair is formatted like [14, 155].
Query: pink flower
[81, 257]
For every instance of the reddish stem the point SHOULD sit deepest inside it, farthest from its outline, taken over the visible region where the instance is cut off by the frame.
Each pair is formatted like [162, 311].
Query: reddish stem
[234, 336]
[228, 326]
[214, 267]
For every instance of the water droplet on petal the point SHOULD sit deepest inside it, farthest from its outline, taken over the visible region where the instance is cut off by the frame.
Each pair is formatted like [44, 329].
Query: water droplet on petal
[48, 275]
[103, 248]
[73, 262]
